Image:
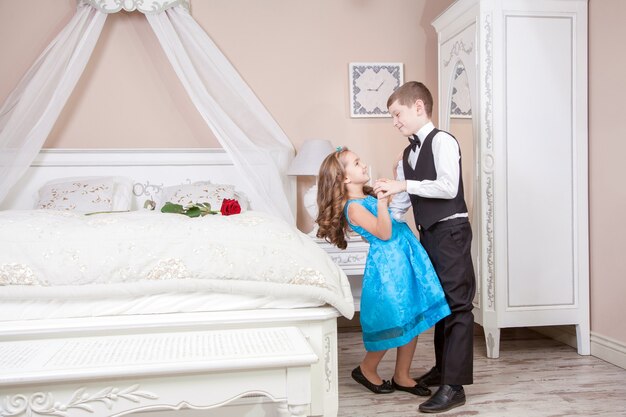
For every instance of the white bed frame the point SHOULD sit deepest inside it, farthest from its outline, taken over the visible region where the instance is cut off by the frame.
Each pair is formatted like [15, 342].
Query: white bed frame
[159, 167]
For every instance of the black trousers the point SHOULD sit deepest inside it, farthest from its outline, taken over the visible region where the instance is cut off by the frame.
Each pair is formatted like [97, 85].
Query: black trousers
[448, 244]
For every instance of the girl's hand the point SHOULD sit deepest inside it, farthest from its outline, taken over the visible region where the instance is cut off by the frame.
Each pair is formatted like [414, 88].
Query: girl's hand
[389, 187]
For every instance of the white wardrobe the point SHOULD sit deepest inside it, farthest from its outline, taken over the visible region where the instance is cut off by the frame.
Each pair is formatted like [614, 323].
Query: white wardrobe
[513, 89]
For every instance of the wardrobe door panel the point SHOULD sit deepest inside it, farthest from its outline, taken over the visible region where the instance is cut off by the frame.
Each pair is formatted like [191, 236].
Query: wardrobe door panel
[539, 161]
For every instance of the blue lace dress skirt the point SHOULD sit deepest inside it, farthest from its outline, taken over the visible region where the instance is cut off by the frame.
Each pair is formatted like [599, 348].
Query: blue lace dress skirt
[401, 295]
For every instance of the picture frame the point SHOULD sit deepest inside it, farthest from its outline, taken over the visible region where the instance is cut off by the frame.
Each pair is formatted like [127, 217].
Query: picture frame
[371, 84]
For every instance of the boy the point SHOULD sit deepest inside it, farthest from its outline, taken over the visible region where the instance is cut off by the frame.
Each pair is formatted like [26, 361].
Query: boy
[428, 177]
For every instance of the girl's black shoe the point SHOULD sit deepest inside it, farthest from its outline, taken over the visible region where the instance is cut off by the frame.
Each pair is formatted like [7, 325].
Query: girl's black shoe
[418, 389]
[384, 388]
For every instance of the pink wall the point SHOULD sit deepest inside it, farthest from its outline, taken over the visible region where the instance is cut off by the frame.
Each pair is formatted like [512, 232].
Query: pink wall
[607, 149]
[295, 54]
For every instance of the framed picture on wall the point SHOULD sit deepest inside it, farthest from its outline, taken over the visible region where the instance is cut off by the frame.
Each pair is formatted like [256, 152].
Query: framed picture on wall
[371, 84]
[460, 103]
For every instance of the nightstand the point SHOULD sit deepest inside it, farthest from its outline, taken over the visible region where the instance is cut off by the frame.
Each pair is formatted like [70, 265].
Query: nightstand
[352, 261]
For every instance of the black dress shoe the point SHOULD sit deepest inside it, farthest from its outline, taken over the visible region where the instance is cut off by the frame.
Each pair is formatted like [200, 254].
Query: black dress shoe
[419, 389]
[444, 399]
[384, 388]
[430, 378]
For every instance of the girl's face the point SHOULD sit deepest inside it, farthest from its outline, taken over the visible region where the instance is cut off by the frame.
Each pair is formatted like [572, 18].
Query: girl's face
[355, 170]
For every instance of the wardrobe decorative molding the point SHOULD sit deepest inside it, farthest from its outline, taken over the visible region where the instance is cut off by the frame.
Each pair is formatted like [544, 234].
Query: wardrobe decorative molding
[458, 47]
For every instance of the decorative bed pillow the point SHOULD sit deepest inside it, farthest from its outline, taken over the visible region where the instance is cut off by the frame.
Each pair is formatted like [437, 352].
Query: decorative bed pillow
[242, 198]
[122, 193]
[86, 194]
[201, 192]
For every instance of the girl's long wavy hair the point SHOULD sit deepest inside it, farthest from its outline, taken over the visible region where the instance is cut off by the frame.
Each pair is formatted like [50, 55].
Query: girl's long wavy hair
[332, 196]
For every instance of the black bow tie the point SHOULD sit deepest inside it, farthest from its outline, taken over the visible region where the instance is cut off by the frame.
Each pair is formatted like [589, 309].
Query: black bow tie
[415, 142]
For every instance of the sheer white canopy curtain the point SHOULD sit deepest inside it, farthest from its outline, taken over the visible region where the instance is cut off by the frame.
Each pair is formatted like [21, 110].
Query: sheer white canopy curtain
[30, 111]
[258, 147]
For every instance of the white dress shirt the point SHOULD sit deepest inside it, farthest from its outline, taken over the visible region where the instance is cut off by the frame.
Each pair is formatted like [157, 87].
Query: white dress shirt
[446, 156]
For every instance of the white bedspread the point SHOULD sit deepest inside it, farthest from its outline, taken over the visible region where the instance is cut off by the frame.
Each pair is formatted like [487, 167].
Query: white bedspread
[51, 254]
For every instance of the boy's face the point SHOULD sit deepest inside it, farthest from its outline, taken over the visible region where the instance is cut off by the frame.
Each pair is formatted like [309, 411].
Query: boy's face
[406, 118]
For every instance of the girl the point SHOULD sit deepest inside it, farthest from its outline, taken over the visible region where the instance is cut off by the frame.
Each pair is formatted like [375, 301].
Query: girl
[401, 294]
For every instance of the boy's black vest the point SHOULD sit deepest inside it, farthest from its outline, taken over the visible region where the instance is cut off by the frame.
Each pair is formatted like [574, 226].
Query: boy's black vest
[428, 211]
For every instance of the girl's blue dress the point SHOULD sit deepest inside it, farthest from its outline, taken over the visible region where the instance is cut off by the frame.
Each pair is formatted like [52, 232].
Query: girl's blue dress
[401, 295]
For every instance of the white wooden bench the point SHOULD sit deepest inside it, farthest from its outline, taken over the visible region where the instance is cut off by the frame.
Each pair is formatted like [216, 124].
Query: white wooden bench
[117, 375]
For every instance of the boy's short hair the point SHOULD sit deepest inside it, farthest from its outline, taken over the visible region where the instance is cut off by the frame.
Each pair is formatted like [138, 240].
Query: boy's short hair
[409, 92]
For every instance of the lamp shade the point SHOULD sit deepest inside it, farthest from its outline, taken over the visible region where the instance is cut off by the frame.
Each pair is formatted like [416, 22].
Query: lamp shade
[310, 157]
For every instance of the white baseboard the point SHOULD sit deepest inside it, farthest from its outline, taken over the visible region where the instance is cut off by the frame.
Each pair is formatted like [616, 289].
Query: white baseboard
[605, 348]
[608, 349]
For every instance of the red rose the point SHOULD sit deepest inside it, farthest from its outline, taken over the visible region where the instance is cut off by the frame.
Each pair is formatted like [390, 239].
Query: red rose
[230, 206]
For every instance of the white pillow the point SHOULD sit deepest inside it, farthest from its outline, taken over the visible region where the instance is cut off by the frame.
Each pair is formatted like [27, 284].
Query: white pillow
[201, 192]
[87, 194]
[242, 198]
[122, 193]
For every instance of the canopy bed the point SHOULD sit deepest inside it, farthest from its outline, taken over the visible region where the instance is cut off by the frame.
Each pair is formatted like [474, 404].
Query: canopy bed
[82, 255]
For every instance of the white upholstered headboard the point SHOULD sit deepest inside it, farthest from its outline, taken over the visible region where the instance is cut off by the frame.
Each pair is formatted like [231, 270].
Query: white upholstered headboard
[148, 168]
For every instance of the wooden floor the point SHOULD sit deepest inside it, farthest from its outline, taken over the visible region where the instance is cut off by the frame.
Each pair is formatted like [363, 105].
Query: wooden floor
[534, 376]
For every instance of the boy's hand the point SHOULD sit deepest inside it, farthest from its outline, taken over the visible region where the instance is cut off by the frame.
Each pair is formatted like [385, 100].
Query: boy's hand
[389, 187]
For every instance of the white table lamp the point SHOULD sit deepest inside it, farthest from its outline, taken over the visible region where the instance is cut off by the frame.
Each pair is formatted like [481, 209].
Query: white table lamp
[307, 163]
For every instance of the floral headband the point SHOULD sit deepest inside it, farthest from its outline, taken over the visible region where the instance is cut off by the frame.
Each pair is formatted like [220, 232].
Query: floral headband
[339, 149]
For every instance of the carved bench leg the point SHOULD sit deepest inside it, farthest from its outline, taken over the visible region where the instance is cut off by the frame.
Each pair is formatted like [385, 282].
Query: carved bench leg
[282, 410]
[290, 410]
[297, 410]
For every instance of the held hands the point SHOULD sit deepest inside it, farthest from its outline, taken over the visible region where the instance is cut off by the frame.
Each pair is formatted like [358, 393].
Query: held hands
[382, 198]
[385, 187]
